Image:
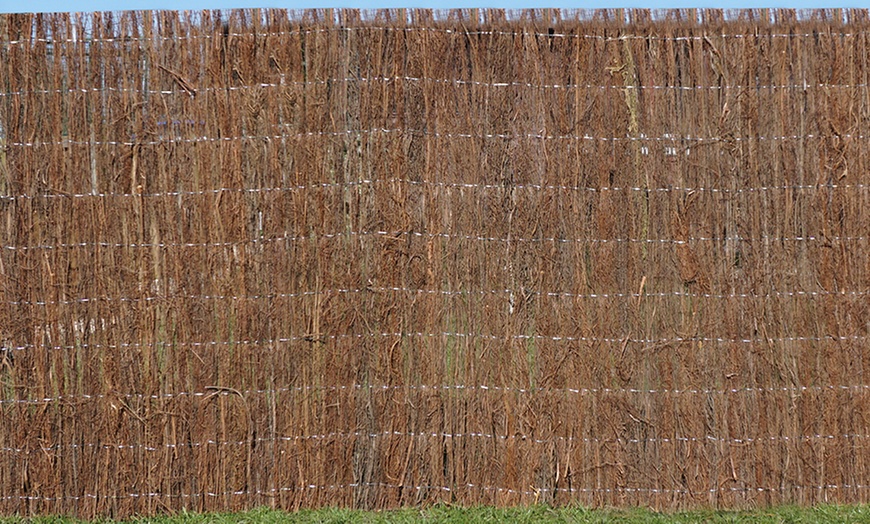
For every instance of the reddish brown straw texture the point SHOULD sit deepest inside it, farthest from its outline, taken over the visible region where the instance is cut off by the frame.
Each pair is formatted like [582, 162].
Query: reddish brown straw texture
[371, 260]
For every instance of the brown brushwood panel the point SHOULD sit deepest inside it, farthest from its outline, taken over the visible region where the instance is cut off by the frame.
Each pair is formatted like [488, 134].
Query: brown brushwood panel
[375, 259]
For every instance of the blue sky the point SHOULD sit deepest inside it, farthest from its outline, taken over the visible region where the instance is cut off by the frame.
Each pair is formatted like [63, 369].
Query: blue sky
[7, 6]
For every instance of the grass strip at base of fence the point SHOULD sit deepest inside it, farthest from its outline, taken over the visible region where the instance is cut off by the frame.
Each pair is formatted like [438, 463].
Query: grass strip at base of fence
[481, 514]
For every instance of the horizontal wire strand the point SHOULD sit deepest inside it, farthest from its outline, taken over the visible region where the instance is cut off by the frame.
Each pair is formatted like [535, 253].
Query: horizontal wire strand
[445, 185]
[481, 336]
[441, 135]
[442, 292]
[447, 236]
[353, 486]
[859, 388]
[417, 29]
[284, 82]
[437, 435]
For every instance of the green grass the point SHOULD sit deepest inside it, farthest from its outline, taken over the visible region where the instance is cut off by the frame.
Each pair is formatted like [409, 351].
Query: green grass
[479, 515]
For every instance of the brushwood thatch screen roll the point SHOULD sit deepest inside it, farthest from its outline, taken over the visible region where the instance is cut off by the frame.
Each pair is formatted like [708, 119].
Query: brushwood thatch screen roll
[402, 257]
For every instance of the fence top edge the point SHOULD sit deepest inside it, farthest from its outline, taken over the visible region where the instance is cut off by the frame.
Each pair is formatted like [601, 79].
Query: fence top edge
[25, 26]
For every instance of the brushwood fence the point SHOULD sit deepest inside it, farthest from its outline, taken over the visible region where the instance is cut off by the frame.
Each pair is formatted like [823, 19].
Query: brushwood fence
[404, 257]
